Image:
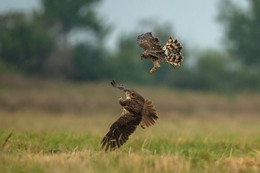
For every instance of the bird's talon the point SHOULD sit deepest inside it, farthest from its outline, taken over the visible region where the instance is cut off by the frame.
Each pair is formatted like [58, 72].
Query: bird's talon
[152, 70]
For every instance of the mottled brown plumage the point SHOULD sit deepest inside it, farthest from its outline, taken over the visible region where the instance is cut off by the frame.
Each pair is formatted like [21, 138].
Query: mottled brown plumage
[136, 110]
[170, 53]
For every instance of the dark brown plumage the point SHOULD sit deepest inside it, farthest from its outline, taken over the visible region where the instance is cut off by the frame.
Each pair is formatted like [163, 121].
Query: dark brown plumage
[170, 53]
[136, 110]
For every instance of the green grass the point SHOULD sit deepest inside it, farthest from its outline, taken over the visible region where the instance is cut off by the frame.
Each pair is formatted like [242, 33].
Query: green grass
[57, 127]
[71, 144]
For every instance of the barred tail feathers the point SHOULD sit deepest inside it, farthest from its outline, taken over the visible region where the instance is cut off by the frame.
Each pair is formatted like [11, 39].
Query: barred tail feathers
[173, 50]
[175, 60]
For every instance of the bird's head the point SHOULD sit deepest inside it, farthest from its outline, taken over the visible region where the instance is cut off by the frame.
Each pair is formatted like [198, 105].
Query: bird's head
[131, 94]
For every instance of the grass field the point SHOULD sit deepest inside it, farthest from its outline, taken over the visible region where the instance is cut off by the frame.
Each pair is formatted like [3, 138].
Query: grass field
[57, 127]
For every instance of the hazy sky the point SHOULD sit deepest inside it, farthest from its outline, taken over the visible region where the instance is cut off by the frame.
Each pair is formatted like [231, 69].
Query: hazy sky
[192, 21]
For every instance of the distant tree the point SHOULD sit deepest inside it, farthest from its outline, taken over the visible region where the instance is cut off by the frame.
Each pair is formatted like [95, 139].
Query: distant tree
[23, 44]
[63, 17]
[213, 71]
[88, 64]
[242, 30]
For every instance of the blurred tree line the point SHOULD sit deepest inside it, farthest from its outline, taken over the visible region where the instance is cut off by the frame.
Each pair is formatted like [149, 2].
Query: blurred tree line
[38, 45]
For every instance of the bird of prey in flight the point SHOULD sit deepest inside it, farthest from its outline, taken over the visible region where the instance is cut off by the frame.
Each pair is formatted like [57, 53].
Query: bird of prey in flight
[170, 53]
[136, 110]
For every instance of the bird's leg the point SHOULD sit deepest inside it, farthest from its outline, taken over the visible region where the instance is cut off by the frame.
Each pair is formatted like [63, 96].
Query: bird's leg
[152, 70]
[155, 64]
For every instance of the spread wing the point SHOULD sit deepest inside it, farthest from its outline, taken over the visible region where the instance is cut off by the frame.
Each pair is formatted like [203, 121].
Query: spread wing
[120, 130]
[148, 42]
[119, 86]
[149, 114]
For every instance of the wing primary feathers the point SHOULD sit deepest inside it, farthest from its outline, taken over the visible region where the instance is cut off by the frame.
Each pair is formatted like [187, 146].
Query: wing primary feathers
[119, 86]
[148, 42]
[120, 131]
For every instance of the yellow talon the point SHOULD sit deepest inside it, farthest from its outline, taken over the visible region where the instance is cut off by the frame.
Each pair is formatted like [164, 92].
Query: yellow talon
[152, 70]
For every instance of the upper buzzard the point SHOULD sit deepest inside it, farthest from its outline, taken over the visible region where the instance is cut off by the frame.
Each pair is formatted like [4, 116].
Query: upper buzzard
[136, 110]
[170, 53]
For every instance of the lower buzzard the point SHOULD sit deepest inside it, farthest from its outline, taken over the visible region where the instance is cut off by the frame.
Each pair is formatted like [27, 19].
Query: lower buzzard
[136, 110]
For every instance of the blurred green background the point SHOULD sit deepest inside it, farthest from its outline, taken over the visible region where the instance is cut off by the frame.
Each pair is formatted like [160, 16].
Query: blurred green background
[71, 40]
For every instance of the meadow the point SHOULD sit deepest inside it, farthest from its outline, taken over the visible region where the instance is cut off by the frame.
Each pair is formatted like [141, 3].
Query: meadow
[57, 127]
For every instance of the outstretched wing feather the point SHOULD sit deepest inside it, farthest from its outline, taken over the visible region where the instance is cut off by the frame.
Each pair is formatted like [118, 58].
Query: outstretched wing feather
[148, 42]
[120, 130]
[119, 86]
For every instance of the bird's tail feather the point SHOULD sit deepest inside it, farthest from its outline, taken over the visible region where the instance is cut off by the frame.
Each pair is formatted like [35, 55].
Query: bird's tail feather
[173, 52]
[149, 114]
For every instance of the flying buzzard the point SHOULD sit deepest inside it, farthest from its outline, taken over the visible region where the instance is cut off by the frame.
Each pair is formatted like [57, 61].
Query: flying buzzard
[136, 110]
[170, 53]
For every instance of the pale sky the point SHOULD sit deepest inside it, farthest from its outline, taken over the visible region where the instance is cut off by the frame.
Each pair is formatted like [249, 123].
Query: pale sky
[192, 21]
